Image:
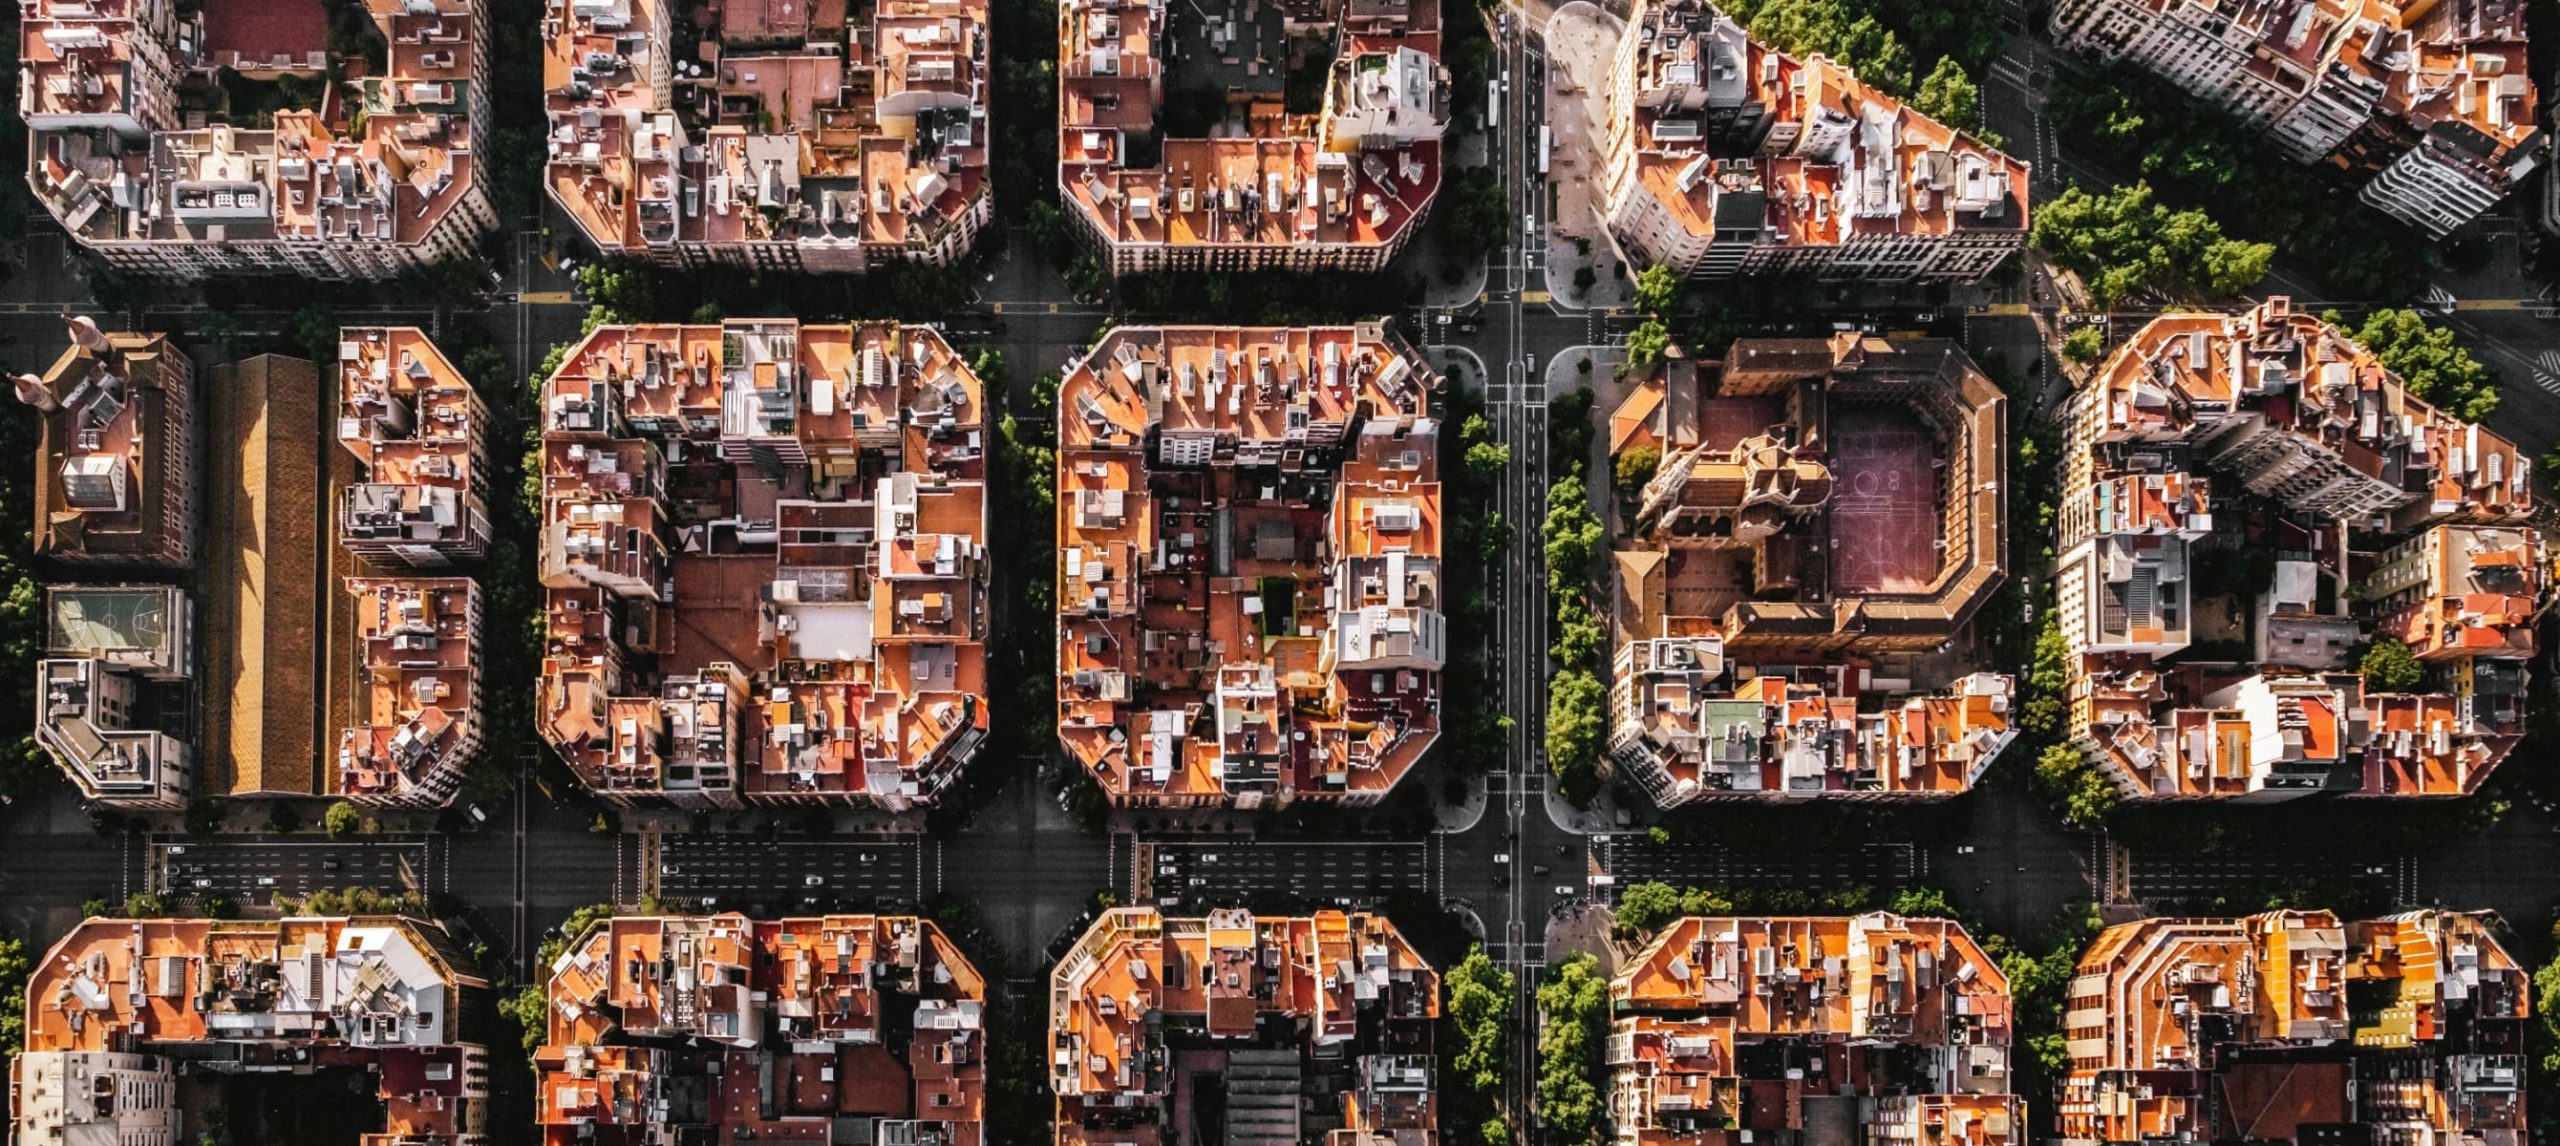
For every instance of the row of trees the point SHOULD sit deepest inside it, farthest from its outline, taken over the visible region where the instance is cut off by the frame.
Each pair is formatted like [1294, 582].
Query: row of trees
[2433, 366]
[2197, 156]
[1573, 1028]
[1481, 996]
[1881, 39]
[2123, 243]
[1477, 734]
[1575, 544]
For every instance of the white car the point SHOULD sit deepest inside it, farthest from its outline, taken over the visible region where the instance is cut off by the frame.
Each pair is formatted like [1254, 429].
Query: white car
[1502, 858]
[813, 881]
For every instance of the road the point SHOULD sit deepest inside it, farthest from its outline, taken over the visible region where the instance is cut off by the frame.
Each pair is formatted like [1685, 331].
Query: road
[254, 870]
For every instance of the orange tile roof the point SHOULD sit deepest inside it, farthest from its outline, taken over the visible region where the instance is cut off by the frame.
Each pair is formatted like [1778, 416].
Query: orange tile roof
[1299, 621]
[1144, 1002]
[825, 135]
[876, 1018]
[819, 623]
[2158, 1007]
[1359, 173]
[1730, 1027]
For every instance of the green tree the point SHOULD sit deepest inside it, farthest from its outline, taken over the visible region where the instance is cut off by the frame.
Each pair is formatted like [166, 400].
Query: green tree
[1573, 1007]
[1657, 291]
[2048, 674]
[15, 967]
[145, 905]
[1644, 908]
[1948, 95]
[1573, 536]
[1577, 723]
[2229, 266]
[1921, 903]
[1646, 345]
[1480, 996]
[1632, 468]
[2389, 666]
[342, 820]
[2084, 344]
[530, 1010]
[2429, 362]
[1579, 637]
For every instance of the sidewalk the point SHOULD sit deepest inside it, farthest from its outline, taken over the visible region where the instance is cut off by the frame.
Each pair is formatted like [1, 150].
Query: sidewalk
[1582, 43]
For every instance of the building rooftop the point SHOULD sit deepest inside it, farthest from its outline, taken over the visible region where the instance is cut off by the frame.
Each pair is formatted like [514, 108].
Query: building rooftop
[1322, 1025]
[1776, 555]
[1840, 159]
[414, 423]
[418, 701]
[2272, 430]
[115, 410]
[801, 1029]
[89, 713]
[1878, 1027]
[2292, 1023]
[817, 613]
[1259, 168]
[266, 567]
[1249, 560]
[209, 999]
[383, 159]
[793, 124]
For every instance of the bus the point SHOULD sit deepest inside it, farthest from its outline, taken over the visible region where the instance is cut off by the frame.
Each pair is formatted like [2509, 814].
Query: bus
[1492, 104]
[1545, 142]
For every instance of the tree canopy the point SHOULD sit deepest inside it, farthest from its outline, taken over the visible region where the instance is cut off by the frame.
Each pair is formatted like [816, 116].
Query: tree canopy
[2389, 666]
[2429, 362]
[1577, 726]
[2124, 242]
[1573, 1006]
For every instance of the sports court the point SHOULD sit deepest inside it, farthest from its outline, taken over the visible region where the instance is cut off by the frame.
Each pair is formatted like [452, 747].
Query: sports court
[104, 620]
[1884, 501]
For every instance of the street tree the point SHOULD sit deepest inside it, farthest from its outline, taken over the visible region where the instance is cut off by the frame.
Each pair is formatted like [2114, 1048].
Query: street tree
[2429, 362]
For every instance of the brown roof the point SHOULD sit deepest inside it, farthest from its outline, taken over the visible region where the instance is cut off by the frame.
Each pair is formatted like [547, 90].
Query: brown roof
[263, 566]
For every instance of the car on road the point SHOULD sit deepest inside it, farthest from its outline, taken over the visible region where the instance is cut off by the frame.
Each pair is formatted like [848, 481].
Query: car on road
[203, 883]
[813, 881]
[1564, 891]
[329, 865]
[867, 857]
[177, 849]
[1537, 869]
[1502, 858]
[266, 881]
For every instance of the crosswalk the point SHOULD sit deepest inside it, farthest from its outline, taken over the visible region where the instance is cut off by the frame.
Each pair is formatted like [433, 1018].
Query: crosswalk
[2546, 370]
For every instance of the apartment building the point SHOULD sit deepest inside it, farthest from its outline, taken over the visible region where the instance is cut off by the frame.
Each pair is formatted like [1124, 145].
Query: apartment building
[1244, 1029]
[1872, 1028]
[2428, 102]
[116, 657]
[116, 480]
[719, 1028]
[418, 429]
[1249, 565]
[2204, 436]
[164, 137]
[764, 564]
[416, 705]
[1775, 616]
[2296, 1027]
[158, 1031]
[794, 137]
[1182, 145]
[1726, 157]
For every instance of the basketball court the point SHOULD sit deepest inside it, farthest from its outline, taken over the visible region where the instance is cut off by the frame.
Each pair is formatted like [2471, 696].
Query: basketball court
[1884, 502]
